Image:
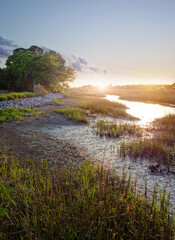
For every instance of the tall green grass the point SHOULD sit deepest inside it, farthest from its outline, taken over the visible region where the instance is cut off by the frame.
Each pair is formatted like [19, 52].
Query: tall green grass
[83, 203]
[160, 147]
[149, 148]
[112, 129]
[10, 114]
[106, 107]
[73, 114]
[16, 96]
[166, 125]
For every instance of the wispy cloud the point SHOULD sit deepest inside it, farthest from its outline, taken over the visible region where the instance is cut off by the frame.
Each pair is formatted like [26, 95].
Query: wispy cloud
[81, 65]
[4, 52]
[6, 47]
[7, 43]
[78, 63]
[97, 70]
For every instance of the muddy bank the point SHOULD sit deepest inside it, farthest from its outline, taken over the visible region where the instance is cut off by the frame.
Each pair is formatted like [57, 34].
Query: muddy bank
[23, 139]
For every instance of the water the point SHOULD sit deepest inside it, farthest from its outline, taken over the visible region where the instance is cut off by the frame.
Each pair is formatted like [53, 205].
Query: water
[146, 112]
[106, 149]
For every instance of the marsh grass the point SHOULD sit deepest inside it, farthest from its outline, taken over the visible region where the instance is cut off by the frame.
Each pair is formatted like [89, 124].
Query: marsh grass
[16, 96]
[56, 101]
[10, 114]
[105, 107]
[111, 129]
[166, 125]
[73, 114]
[166, 121]
[149, 148]
[157, 96]
[160, 147]
[81, 203]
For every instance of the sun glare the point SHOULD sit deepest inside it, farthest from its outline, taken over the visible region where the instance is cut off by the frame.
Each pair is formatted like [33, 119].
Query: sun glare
[101, 85]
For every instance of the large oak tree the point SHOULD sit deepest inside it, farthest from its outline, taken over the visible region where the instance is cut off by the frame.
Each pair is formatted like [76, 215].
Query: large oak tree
[28, 67]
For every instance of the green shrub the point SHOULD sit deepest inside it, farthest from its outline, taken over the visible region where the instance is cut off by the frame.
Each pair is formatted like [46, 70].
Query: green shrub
[10, 114]
[40, 90]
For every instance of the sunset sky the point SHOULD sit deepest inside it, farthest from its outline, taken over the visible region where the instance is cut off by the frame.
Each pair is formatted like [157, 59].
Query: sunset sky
[107, 41]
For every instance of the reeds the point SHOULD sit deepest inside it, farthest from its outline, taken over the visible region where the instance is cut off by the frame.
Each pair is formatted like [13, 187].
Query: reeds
[111, 129]
[149, 148]
[16, 96]
[37, 202]
[105, 107]
[73, 114]
[161, 147]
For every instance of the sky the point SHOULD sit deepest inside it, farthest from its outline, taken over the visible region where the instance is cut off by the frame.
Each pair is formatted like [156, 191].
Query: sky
[107, 41]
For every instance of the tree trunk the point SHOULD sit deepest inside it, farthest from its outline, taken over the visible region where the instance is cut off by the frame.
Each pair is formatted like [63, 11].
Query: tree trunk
[34, 86]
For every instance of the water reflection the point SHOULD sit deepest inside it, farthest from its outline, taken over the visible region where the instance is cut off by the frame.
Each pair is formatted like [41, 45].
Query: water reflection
[147, 112]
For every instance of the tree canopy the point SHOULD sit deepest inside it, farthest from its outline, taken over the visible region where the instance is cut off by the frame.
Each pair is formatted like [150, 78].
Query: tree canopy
[28, 67]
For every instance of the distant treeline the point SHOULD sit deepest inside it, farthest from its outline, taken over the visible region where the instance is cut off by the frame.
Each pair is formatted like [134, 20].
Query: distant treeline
[132, 87]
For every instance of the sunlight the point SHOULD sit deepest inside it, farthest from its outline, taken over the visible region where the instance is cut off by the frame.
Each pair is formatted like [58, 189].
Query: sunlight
[146, 112]
[101, 85]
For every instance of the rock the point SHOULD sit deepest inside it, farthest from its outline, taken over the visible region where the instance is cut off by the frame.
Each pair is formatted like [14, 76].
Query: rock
[157, 169]
[30, 102]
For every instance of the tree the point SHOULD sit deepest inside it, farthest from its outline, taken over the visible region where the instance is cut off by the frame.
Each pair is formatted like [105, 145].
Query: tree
[27, 67]
[34, 49]
[2, 83]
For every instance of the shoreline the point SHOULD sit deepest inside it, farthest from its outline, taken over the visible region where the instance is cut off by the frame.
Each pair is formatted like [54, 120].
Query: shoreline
[151, 102]
[23, 139]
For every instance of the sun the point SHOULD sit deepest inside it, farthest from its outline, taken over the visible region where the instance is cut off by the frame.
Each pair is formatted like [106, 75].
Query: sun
[101, 85]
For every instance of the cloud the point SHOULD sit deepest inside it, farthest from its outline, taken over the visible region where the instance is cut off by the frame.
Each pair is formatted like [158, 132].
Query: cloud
[6, 47]
[78, 63]
[97, 70]
[82, 61]
[5, 52]
[81, 65]
[7, 43]
[77, 66]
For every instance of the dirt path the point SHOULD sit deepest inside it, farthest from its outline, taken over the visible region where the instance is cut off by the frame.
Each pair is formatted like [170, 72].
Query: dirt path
[25, 139]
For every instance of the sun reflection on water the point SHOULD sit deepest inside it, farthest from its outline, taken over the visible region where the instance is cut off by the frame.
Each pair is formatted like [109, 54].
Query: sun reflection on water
[146, 112]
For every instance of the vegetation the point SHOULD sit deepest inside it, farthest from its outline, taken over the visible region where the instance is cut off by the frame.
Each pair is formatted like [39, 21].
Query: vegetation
[160, 147]
[147, 93]
[40, 90]
[28, 67]
[3, 92]
[106, 107]
[166, 124]
[16, 96]
[10, 114]
[57, 101]
[82, 203]
[149, 148]
[112, 129]
[86, 91]
[73, 113]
